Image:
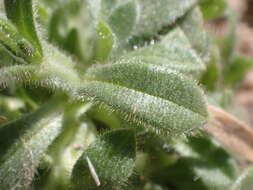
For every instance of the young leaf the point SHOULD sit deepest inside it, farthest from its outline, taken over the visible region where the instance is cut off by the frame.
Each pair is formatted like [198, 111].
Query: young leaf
[154, 15]
[20, 12]
[244, 181]
[12, 43]
[23, 143]
[114, 151]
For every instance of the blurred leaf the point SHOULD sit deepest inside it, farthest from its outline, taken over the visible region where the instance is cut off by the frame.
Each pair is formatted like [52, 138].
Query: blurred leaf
[114, 151]
[212, 9]
[211, 76]
[23, 143]
[105, 42]
[239, 66]
[192, 25]
[69, 21]
[245, 180]
[153, 16]
[66, 150]
[123, 19]
[20, 12]
[212, 165]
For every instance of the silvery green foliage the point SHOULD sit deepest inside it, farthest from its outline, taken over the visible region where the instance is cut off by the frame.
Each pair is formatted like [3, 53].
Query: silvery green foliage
[153, 85]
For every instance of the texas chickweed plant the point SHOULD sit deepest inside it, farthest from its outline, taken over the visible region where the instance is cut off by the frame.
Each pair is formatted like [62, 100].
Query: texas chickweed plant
[105, 94]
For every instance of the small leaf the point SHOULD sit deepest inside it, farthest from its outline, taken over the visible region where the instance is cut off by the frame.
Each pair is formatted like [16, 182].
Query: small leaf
[244, 181]
[240, 65]
[123, 19]
[154, 15]
[20, 12]
[111, 159]
[23, 143]
[105, 42]
[212, 9]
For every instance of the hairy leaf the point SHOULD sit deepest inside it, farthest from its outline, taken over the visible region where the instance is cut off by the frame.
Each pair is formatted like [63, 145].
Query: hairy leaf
[23, 143]
[154, 15]
[20, 12]
[114, 151]
[153, 96]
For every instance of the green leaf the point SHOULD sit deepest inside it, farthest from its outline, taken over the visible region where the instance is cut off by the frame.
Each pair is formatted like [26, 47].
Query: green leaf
[123, 19]
[244, 181]
[114, 151]
[154, 15]
[211, 164]
[174, 52]
[239, 66]
[151, 95]
[105, 42]
[211, 76]
[20, 12]
[212, 9]
[23, 143]
[12, 43]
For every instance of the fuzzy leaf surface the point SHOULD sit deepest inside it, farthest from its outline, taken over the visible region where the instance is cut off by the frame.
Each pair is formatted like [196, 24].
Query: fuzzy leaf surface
[148, 94]
[154, 15]
[114, 151]
[23, 143]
